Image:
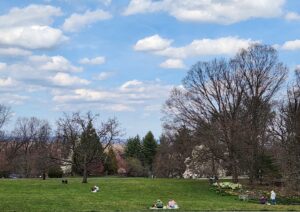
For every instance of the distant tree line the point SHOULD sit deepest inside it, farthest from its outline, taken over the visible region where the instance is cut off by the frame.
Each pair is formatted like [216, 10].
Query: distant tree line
[75, 147]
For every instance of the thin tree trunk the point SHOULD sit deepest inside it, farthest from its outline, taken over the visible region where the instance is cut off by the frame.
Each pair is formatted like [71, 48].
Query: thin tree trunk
[84, 180]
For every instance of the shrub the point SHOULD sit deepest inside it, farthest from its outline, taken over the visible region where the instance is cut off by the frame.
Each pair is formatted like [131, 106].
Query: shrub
[135, 168]
[55, 172]
[4, 174]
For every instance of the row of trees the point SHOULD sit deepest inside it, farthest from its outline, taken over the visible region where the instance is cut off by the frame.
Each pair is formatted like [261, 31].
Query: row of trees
[140, 155]
[238, 116]
[33, 148]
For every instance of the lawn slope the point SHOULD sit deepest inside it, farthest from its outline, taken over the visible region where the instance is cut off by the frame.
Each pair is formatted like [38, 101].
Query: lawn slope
[116, 194]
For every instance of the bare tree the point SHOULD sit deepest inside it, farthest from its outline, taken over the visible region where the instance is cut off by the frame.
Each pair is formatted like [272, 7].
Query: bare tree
[210, 104]
[30, 136]
[287, 133]
[228, 106]
[262, 76]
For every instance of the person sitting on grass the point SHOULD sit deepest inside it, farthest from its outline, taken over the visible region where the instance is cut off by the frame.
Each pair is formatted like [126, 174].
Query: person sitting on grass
[172, 204]
[263, 200]
[95, 189]
[158, 204]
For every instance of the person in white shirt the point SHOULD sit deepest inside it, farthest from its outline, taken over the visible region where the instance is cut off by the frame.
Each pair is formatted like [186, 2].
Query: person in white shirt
[273, 197]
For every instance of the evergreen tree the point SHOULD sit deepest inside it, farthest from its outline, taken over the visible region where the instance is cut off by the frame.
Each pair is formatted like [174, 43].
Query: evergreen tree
[149, 149]
[133, 148]
[89, 149]
[111, 165]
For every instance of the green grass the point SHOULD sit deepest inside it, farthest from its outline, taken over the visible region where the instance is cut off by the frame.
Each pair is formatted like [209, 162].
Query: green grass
[116, 194]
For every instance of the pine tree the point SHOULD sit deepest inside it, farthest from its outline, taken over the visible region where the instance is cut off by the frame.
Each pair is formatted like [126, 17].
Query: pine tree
[89, 149]
[149, 149]
[133, 148]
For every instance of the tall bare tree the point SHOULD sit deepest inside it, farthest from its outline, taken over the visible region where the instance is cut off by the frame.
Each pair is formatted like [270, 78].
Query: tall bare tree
[262, 75]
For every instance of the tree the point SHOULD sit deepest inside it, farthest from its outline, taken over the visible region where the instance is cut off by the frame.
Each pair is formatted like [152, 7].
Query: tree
[81, 144]
[28, 152]
[287, 135]
[111, 165]
[228, 106]
[134, 148]
[263, 76]
[149, 149]
[89, 150]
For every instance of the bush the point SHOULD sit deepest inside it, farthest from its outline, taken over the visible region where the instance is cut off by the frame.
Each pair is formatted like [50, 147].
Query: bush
[55, 172]
[4, 174]
[135, 168]
[228, 185]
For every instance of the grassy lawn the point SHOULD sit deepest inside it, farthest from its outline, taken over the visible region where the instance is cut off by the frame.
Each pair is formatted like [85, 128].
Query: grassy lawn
[116, 194]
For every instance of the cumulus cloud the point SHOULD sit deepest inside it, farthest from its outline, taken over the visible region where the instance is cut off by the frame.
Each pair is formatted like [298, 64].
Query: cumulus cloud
[92, 61]
[30, 15]
[292, 16]
[64, 79]
[77, 21]
[29, 28]
[152, 43]
[173, 64]
[219, 46]
[14, 52]
[104, 75]
[211, 11]
[200, 47]
[127, 97]
[291, 45]
[31, 37]
[55, 63]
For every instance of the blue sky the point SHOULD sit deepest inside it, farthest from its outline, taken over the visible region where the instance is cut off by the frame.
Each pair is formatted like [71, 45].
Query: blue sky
[121, 58]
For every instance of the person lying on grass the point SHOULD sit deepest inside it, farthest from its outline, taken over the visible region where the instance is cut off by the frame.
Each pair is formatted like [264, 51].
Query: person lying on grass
[172, 204]
[95, 189]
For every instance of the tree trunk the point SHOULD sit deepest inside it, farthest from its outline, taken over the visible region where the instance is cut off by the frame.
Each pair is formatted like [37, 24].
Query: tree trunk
[44, 175]
[84, 180]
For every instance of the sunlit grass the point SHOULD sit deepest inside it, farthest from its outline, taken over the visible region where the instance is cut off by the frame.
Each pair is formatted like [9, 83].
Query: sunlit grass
[116, 194]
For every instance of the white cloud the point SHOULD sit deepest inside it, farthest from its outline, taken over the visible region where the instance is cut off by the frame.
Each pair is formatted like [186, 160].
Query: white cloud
[292, 16]
[129, 96]
[14, 52]
[88, 95]
[152, 43]
[30, 15]
[64, 79]
[104, 75]
[77, 21]
[211, 11]
[291, 45]
[56, 63]
[92, 61]
[219, 46]
[131, 85]
[31, 37]
[173, 64]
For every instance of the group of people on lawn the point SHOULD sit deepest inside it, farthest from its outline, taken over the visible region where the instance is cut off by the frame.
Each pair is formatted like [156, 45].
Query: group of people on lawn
[264, 200]
[160, 205]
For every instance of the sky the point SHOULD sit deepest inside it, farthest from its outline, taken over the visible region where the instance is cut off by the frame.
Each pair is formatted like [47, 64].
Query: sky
[121, 58]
